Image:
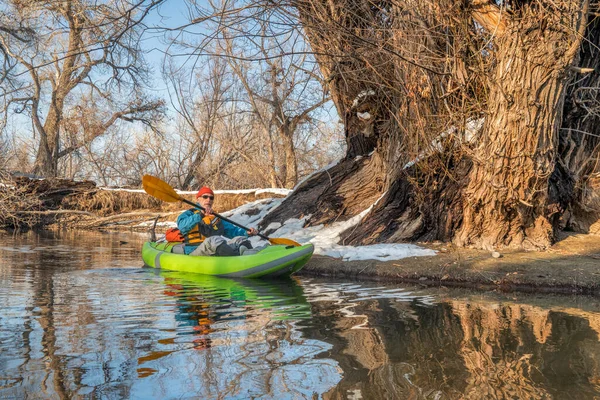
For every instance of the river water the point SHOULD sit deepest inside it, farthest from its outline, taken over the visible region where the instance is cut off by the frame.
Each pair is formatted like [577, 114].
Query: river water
[80, 318]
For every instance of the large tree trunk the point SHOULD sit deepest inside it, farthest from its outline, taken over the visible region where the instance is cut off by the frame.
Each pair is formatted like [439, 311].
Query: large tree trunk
[504, 189]
[43, 165]
[507, 198]
[390, 108]
[337, 194]
[413, 209]
[579, 139]
[46, 160]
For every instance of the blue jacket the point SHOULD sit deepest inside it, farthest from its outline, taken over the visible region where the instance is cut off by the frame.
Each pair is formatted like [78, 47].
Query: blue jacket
[188, 219]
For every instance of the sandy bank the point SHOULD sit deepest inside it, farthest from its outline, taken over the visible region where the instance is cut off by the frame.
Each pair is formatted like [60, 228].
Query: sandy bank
[572, 265]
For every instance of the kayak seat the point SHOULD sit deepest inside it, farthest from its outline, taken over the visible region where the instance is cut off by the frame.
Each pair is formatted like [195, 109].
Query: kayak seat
[178, 249]
[245, 251]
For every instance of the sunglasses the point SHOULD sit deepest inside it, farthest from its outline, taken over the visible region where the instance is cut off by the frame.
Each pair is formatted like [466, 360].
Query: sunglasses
[206, 196]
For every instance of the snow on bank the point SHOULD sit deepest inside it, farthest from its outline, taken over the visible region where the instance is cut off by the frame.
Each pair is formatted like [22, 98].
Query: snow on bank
[324, 238]
[281, 192]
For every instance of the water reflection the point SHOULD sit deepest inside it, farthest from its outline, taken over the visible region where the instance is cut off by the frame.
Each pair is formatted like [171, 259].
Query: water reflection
[244, 338]
[80, 318]
[461, 349]
[71, 324]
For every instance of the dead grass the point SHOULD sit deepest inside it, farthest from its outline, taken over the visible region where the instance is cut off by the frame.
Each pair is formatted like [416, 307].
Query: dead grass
[104, 202]
[28, 202]
[109, 202]
[18, 207]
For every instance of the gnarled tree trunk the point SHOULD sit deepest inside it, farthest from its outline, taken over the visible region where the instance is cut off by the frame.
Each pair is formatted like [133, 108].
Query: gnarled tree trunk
[502, 187]
[579, 139]
[507, 199]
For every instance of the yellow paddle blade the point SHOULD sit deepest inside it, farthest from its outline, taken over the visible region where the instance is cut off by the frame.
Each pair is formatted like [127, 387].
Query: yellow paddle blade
[159, 189]
[284, 242]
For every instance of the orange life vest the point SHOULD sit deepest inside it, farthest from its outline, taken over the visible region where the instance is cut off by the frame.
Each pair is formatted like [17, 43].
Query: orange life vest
[194, 237]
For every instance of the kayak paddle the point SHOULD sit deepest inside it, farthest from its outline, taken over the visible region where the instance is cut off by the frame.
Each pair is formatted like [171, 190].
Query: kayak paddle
[163, 191]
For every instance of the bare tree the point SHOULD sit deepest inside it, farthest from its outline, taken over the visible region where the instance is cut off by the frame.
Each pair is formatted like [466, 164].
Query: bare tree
[281, 93]
[281, 81]
[199, 101]
[74, 60]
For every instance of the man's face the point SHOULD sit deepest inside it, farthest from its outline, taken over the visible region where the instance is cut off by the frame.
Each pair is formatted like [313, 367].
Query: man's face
[206, 200]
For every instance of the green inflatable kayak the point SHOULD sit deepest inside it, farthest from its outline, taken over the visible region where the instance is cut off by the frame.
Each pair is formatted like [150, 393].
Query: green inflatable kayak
[274, 261]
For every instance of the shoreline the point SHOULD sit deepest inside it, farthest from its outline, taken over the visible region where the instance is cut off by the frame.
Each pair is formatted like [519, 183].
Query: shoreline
[570, 266]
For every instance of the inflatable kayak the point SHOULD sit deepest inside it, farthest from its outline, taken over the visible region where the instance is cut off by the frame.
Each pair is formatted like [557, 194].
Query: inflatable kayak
[273, 261]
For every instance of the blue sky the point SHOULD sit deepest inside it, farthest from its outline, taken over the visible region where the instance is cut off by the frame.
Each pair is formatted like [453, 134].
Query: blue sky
[153, 41]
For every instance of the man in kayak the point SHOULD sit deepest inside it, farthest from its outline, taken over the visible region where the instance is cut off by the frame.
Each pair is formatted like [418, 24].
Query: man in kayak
[207, 235]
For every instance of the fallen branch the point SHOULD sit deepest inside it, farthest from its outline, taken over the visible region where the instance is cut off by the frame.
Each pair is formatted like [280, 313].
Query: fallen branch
[49, 212]
[109, 220]
[127, 222]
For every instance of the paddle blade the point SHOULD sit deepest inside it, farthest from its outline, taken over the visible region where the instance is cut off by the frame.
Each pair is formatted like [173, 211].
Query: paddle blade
[284, 242]
[159, 189]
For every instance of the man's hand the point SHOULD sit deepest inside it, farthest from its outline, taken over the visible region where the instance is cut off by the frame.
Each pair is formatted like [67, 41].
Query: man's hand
[252, 232]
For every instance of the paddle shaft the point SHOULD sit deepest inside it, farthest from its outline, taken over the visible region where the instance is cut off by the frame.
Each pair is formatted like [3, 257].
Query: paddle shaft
[222, 217]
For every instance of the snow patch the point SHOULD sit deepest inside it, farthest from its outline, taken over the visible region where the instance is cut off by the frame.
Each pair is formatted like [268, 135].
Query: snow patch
[278, 191]
[273, 226]
[166, 224]
[363, 115]
[324, 238]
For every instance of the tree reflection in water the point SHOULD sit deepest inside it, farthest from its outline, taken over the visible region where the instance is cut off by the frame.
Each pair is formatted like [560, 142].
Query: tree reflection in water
[459, 348]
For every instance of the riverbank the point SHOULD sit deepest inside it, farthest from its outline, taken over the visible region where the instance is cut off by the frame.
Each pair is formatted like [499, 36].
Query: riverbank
[572, 265]
[28, 203]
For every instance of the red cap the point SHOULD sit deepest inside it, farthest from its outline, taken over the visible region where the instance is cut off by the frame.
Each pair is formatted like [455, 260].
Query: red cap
[204, 190]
